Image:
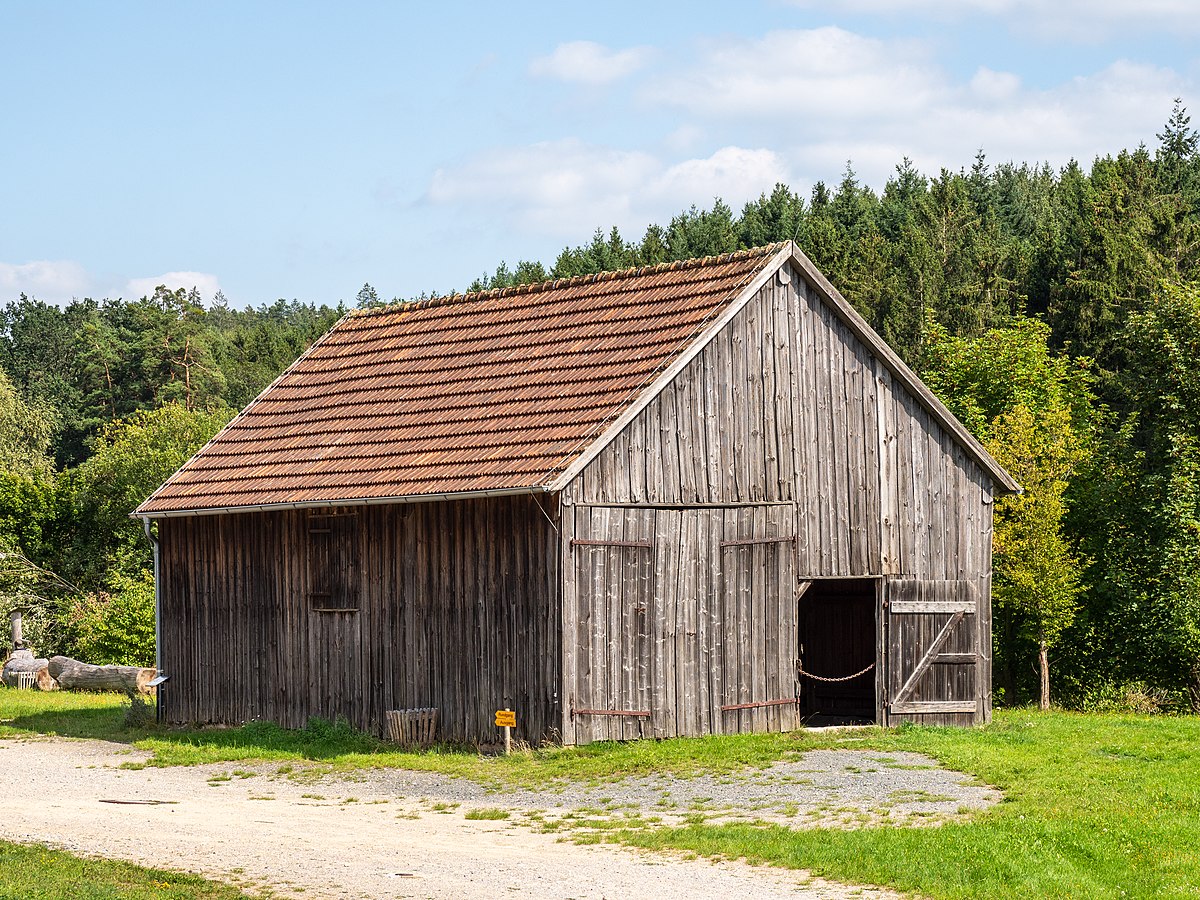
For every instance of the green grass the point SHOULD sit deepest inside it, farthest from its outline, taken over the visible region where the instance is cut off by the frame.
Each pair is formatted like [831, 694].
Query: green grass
[487, 814]
[337, 747]
[27, 872]
[1095, 805]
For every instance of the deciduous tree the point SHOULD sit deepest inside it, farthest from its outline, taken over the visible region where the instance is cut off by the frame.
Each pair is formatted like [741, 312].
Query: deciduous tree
[1034, 412]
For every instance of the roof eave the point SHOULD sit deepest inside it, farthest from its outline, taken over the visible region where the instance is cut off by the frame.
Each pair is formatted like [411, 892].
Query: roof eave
[325, 504]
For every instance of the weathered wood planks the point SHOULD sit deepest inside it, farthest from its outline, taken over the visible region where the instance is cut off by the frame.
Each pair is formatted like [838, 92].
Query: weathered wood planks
[788, 406]
[458, 609]
[932, 653]
[706, 627]
[656, 596]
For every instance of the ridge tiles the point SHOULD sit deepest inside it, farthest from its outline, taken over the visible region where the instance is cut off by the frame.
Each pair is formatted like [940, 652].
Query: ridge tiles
[573, 281]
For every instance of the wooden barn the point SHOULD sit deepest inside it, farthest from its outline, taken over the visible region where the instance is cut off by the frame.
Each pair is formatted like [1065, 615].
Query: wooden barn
[684, 499]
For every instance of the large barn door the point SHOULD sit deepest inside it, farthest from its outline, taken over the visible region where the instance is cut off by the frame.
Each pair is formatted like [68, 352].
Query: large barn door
[686, 629]
[757, 598]
[613, 559]
[684, 622]
[932, 650]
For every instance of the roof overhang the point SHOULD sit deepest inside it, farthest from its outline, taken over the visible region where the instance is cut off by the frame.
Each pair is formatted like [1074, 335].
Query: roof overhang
[326, 504]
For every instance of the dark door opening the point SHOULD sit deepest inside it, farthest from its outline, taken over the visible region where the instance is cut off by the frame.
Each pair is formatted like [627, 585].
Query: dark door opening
[838, 636]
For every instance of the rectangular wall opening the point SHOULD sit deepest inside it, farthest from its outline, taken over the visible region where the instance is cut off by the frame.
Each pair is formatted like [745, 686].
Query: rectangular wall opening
[838, 635]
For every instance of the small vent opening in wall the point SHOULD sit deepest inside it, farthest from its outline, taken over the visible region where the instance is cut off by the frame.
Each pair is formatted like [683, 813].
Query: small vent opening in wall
[333, 563]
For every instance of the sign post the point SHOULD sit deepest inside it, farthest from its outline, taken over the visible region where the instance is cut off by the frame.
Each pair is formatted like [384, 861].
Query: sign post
[506, 719]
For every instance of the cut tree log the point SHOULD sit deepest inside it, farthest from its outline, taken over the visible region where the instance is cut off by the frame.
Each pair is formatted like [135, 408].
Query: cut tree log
[23, 661]
[75, 675]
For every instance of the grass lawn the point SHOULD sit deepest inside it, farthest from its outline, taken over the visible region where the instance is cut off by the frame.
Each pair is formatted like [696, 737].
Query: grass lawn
[1096, 805]
[35, 872]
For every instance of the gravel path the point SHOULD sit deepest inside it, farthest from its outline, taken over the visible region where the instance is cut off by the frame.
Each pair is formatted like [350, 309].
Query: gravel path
[394, 834]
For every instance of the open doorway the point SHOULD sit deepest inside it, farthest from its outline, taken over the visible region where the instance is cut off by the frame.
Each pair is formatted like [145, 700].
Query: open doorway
[838, 635]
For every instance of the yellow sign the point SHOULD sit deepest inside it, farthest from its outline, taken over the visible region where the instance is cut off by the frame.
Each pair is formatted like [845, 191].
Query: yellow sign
[506, 718]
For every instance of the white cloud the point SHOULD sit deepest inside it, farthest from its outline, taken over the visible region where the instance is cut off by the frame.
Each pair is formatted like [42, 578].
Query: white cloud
[822, 96]
[207, 284]
[564, 188]
[547, 186]
[994, 87]
[53, 281]
[733, 173]
[61, 281]
[829, 73]
[1062, 19]
[794, 106]
[589, 63]
[1112, 110]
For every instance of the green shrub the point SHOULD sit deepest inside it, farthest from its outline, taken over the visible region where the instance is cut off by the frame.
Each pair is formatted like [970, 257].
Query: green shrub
[1130, 697]
[139, 712]
[114, 626]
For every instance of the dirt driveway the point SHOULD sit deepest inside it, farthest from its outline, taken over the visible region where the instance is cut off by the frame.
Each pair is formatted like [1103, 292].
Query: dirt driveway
[390, 834]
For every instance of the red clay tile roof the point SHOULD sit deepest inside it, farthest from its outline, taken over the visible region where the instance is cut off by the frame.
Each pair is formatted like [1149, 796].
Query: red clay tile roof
[486, 391]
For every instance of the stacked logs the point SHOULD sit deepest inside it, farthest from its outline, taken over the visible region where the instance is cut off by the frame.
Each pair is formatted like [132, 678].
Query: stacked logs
[71, 674]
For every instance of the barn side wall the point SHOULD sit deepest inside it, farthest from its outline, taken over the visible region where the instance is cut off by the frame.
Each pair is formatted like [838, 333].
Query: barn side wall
[786, 405]
[457, 607]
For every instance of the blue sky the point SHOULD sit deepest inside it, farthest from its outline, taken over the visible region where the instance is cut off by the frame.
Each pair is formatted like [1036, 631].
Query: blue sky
[299, 150]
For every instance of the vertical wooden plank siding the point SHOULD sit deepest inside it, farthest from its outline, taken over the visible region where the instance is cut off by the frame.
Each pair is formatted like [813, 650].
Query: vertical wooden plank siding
[803, 401]
[889, 472]
[458, 608]
[785, 406]
[783, 426]
[718, 630]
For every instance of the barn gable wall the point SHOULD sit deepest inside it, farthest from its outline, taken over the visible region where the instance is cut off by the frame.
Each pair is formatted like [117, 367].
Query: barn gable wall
[457, 608]
[788, 406]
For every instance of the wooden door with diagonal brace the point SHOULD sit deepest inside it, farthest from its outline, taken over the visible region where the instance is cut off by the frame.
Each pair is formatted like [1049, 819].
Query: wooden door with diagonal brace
[933, 651]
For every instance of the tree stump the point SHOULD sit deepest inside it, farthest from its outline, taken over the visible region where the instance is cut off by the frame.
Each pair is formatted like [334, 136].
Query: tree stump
[23, 661]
